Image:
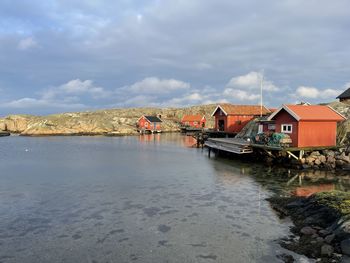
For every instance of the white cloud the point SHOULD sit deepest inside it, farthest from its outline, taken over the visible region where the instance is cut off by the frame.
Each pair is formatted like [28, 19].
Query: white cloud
[251, 81]
[315, 93]
[25, 103]
[308, 92]
[27, 43]
[76, 87]
[153, 85]
[240, 95]
[188, 99]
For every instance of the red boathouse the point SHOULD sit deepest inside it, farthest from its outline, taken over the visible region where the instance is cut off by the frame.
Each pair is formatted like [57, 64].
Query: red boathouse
[231, 118]
[149, 123]
[307, 125]
[195, 121]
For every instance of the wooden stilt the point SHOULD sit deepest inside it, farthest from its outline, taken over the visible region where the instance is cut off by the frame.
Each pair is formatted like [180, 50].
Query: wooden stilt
[292, 155]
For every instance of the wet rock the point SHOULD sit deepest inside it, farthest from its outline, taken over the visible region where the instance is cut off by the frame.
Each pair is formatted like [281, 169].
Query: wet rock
[342, 228]
[295, 204]
[286, 258]
[345, 246]
[307, 230]
[324, 232]
[319, 239]
[345, 259]
[328, 239]
[326, 250]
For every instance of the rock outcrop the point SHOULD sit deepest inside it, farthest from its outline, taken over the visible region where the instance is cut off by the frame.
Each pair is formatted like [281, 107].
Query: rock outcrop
[102, 122]
[322, 224]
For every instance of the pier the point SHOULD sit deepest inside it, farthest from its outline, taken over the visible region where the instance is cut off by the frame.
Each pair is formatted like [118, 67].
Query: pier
[241, 146]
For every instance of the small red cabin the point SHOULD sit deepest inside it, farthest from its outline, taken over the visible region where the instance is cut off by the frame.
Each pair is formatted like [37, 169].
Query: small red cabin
[149, 123]
[232, 118]
[195, 121]
[307, 125]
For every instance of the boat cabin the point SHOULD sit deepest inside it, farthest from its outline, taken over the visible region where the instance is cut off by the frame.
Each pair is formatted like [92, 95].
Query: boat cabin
[232, 118]
[307, 125]
[194, 121]
[149, 123]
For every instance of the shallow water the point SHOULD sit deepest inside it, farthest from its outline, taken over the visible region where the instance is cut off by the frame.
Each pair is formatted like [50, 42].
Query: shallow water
[136, 199]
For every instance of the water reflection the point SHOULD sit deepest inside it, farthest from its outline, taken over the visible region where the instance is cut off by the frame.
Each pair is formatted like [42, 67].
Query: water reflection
[180, 140]
[284, 181]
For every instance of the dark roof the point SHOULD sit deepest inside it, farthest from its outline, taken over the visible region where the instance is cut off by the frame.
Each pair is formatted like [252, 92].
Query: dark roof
[153, 119]
[345, 94]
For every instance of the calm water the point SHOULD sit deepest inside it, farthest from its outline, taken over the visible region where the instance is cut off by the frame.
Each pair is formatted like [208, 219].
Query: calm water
[137, 199]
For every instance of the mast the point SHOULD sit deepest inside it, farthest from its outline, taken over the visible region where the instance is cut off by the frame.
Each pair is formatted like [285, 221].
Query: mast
[261, 92]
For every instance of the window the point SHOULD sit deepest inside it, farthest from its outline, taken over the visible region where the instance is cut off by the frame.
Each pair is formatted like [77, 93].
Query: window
[146, 124]
[195, 123]
[286, 128]
[271, 127]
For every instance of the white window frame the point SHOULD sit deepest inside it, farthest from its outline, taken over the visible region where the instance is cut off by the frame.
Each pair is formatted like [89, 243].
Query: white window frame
[195, 123]
[146, 124]
[286, 125]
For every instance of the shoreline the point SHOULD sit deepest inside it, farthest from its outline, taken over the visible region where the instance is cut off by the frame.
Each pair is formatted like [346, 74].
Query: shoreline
[321, 225]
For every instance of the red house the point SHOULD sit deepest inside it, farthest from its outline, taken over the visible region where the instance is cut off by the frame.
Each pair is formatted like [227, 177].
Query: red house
[307, 125]
[232, 118]
[149, 123]
[195, 121]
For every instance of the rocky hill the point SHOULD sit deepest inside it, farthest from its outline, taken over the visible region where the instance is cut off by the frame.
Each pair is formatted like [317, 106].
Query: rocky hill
[101, 122]
[123, 121]
[344, 127]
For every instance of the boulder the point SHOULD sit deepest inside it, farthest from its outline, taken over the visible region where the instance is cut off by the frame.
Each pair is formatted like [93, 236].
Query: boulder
[323, 159]
[328, 239]
[315, 153]
[327, 250]
[330, 153]
[324, 232]
[307, 230]
[345, 246]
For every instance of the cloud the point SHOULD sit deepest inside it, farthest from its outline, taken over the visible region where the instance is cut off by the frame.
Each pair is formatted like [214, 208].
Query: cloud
[27, 43]
[153, 85]
[76, 87]
[194, 41]
[251, 81]
[241, 95]
[32, 103]
[315, 93]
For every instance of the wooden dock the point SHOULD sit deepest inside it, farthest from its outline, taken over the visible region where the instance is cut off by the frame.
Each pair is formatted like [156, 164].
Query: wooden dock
[232, 145]
[240, 146]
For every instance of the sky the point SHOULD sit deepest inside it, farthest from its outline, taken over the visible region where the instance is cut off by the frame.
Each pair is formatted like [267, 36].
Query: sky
[72, 55]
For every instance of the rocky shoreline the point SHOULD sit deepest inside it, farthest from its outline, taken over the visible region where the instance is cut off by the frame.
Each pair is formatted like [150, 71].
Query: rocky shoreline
[321, 225]
[112, 122]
